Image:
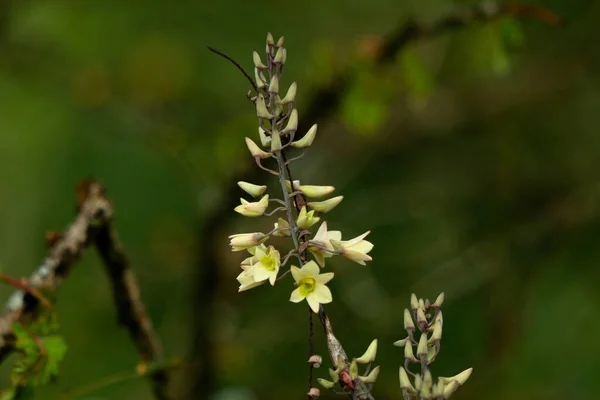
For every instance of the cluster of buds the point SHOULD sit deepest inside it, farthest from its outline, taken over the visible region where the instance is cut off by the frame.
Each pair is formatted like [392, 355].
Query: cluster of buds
[347, 377]
[302, 206]
[425, 318]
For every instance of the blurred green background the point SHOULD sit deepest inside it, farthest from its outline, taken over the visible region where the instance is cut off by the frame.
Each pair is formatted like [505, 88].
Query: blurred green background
[473, 157]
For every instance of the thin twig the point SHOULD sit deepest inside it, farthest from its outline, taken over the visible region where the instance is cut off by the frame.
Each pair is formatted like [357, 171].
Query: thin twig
[237, 65]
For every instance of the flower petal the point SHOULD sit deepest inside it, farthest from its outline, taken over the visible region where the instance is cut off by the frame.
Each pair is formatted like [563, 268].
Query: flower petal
[296, 297]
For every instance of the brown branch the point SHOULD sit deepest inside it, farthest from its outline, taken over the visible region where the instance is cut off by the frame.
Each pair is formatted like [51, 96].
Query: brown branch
[92, 226]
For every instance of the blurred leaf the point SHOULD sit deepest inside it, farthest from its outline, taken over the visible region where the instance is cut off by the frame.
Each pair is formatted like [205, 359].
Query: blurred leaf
[417, 78]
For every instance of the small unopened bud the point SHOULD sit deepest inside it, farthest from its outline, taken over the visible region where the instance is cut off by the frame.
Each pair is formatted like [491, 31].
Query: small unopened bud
[251, 189]
[422, 304]
[450, 388]
[282, 228]
[326, 205]
[438, 390]
[409, 325]
[428, 379]
[421, 319]
[280, 41]
[369, 355]
[261, 108]
[256, 151]
[408, 352]
[325, 383]
[340, 364]
[316, 191]
[275, 141]
[405, 382]
[437, 332]
[292, 124]
[242, 241]
[257, 61]
[308, 139]
[439, 301]
[418, 382]
[414, 302]
[401, 342]
[290, 96]
[334, 375]
[279, 56]
[425, 392]
[270, 40]
[274, 85]
[264, 139]
[314, 393]
[260, 79]
[422, 347]
[353, 369]
[284, 56]
[316, 361]
[460, 378]
[371, 376]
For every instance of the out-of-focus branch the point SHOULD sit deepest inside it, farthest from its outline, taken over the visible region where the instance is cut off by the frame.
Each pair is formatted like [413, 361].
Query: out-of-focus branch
[92, 226]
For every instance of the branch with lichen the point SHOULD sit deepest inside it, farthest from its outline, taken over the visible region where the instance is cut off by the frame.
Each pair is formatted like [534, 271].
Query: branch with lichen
[92, 227]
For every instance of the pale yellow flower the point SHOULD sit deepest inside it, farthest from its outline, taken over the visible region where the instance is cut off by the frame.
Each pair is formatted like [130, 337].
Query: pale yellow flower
[306, 219]
[311, 285]
[355, 249]
[307, 140]
[320, 245]
[253, 209]
[252, 189]
[316, 191]
[282, 228]
[267, 265]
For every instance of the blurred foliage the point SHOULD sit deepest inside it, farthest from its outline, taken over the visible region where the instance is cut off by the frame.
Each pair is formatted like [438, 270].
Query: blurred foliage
[472, 159]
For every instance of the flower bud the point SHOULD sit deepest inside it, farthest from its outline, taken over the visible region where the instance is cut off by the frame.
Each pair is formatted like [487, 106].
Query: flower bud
[264, 139]
[290, 96]
[422, 304]
[421, 319]
[306, 219]
[275, 141]
[418, 382]
[327, 205]
[284, 58]
[280, 41]
[314, 393]
[256, 151]
[254, 209]
[316, 360]
[279, 56]
[409, 325]
[307, 140]
[325, 383]
[243, 241]
[460, 378]
[401, 342]
[274, 85]
[257, 61]
[334, 375]
[261, 108]
[450, 388]
[422, 347]
[283, 228]
[371, 376]
[428, 379]
[439, 301]
[270, 40]
[438, 390]
[408, 352]
[353, 369]
[292, 124]
[414, 302]
[369, 355]
[260, 79]
[251, 189]
[316, 191]
[405, 382]
[437, 332]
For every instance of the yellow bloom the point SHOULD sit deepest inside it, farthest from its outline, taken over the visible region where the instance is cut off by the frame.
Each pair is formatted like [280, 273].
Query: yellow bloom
[355, 249]
[283, 226]
[247, 281]
[254, 209]
[316, 191]
[311, 285]
[320, 246]
[306, 219]
[251, 189]
[256, 151]
[267, 266]
[307, 140]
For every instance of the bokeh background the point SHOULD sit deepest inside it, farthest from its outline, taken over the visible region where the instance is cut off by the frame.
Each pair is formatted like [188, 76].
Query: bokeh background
[472, 155]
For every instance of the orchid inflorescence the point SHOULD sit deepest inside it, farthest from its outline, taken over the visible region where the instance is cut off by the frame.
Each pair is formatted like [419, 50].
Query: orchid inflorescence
[429, 323]
[302, 205]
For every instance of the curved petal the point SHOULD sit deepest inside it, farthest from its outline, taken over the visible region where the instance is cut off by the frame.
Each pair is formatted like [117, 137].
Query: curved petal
[321, 294]
[297, 273]
[324, 278]
[312, 302]
[310, 269]
[296, 297]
